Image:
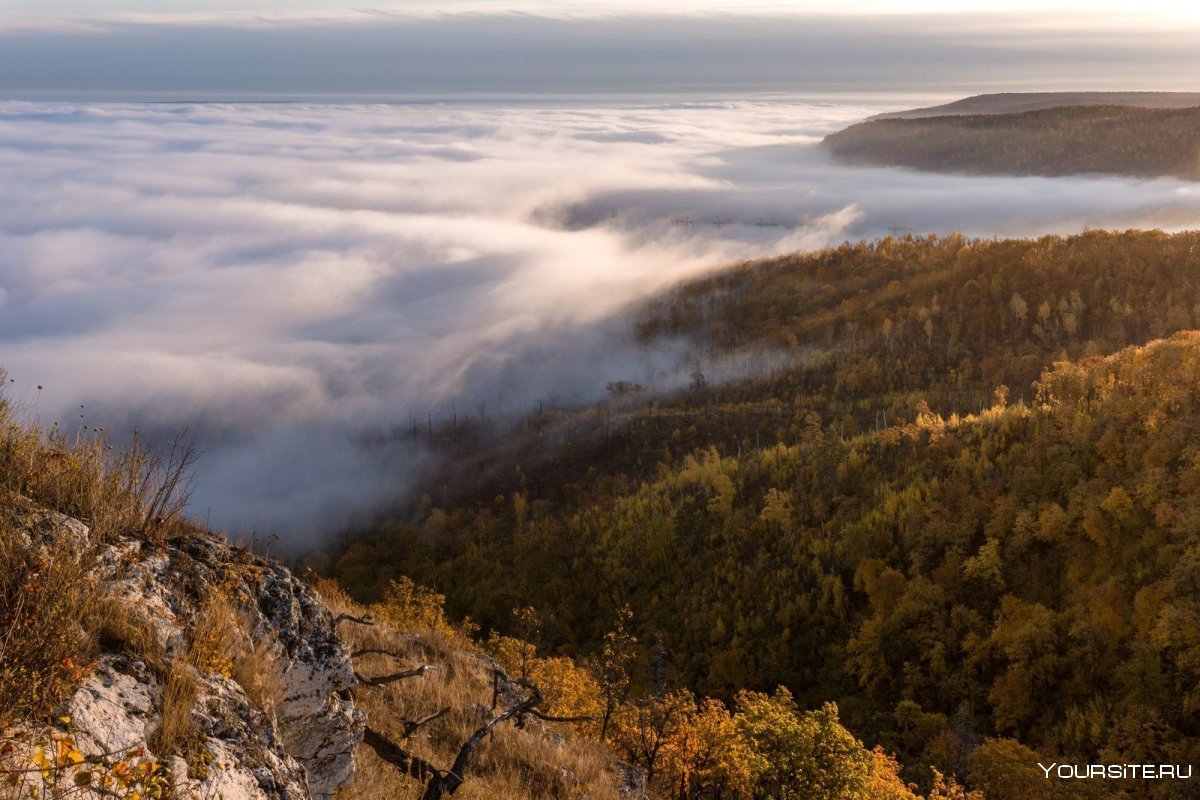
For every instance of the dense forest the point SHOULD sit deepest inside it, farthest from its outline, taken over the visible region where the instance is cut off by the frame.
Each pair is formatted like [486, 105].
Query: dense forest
[1123, 140]
[955, 491]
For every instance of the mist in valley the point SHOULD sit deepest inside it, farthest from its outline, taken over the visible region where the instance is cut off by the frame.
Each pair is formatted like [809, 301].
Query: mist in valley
[299, 284]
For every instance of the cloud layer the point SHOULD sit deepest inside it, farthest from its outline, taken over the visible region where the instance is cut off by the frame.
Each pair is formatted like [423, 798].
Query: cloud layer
[289, 279]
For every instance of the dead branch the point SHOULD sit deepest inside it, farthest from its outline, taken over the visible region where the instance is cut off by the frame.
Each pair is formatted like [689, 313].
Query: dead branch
[412, 725]
[168, 482]
[547, 718]
[367, 620]
[375, 651]
[383, 680]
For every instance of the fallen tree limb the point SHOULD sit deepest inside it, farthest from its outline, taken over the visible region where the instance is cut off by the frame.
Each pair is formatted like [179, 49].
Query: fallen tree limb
[367, 620]
[440, 783]
[406, 762]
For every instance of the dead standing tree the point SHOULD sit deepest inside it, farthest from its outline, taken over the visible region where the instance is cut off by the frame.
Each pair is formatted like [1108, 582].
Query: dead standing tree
[442, 783]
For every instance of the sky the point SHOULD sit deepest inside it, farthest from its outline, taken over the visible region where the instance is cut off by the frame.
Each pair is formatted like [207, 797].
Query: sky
[127, 49]
[95, 8]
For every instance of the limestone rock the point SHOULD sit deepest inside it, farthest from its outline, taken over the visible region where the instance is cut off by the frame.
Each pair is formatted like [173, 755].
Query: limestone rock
[300, 746]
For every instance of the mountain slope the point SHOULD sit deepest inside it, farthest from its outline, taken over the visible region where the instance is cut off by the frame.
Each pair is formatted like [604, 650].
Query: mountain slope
[891, 516]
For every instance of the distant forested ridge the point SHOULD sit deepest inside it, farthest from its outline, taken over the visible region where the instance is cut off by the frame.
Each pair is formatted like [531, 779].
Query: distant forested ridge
[963, 502]
[1014, 102]
[1075, 140]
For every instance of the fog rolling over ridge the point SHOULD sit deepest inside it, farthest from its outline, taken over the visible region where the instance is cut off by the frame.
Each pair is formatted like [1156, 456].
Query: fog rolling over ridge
[292, 280]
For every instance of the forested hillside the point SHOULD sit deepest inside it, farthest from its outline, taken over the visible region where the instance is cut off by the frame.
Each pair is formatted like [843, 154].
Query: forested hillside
[939, 501]
[1123, 140]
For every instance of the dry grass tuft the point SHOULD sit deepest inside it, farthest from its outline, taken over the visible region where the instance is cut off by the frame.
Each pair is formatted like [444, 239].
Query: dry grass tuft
[207, 650]
[220, 642]
[256, 668]
[173, 732]
[134, 490]
[121, 627]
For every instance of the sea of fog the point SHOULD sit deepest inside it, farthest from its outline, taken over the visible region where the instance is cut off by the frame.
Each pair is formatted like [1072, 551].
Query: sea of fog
[287, 279]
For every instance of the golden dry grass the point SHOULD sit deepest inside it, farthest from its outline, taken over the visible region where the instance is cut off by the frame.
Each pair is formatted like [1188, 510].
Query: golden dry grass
[120, 626]
[257, 667]
[220, 641]
[209, 642]
[537, 763]
[172, 734]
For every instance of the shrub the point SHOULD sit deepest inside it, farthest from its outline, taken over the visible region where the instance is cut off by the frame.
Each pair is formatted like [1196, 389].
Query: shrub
[406, 606]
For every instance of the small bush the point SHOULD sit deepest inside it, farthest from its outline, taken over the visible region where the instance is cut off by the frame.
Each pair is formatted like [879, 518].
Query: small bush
[134, 490]
[215, 635]
[51, 766]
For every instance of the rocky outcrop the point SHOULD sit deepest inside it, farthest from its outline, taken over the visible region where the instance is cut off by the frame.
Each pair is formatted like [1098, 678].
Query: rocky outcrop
[117, 708]
[291, 737]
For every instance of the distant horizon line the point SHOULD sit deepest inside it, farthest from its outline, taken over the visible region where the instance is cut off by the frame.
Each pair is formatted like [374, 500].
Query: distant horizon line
[696, 94]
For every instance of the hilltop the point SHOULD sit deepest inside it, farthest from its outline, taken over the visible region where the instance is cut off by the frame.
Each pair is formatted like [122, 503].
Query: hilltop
[1054, 141]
